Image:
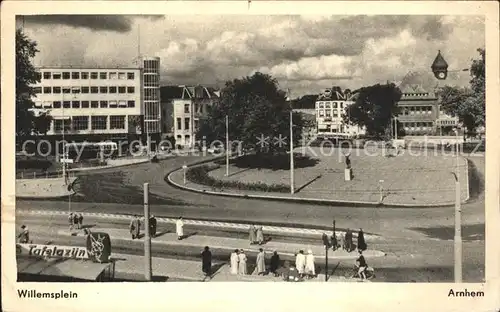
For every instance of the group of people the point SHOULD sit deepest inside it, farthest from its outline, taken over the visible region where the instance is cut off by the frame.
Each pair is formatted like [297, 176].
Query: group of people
[75, 220]
[256, 235]
[305, 264]
[238, 263]
[135, 227]
[345, 241]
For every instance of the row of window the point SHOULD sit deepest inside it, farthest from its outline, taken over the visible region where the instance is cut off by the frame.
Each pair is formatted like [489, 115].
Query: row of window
[79, 123]
[416, 110]
[417, 124]
[197, 108]
[86, 75]
[187, 123]
[84, 90]
[415, 94]
[86, 104]
[327, 104]
[329, 113]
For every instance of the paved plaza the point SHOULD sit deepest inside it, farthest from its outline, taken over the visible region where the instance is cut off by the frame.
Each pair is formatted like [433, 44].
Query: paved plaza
[411, 178]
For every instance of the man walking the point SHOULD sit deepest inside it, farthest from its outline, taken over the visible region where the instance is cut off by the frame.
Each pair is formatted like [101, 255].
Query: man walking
[300, 263]
[261, 262]
[80, 220]
[135, 227]
[361, 240]
[152, 226]
[252, 234]
[71, 220]
[179, 228]
[24, 236]
[260, 235]
[275, 263]
[206, 259]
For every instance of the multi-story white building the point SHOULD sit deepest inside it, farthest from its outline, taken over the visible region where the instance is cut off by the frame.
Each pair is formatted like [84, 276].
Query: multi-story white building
[182, 107]
[330, 106]
[95, 104]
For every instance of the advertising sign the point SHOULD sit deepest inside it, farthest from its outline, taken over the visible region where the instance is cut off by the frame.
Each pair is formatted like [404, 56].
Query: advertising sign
[52, 251]
[99, 247]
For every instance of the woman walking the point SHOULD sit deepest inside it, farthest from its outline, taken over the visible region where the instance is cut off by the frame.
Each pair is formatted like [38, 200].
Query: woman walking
[242, 264]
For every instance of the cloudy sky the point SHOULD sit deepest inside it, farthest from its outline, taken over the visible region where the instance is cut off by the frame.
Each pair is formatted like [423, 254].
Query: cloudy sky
[305, 53]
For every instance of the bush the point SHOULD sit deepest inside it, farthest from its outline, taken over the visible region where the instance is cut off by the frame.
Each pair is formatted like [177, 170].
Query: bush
[200, 175]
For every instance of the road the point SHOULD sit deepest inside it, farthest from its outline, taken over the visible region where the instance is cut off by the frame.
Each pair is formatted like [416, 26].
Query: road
[432, 263]
[409, 229]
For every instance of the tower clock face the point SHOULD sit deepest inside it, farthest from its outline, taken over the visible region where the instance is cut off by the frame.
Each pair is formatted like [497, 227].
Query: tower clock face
[442, 75]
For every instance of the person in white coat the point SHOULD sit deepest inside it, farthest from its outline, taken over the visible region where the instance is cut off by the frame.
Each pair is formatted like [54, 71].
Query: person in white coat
[179, 228]
[261, 262]
[234, 262]
[310, 270]
[300, 262]
[242, 265]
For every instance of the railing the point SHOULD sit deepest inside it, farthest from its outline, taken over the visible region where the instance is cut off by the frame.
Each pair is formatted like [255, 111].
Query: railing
[43, 175]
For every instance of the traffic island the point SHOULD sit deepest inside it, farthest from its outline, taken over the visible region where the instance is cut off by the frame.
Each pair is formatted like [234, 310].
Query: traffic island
[400, 181]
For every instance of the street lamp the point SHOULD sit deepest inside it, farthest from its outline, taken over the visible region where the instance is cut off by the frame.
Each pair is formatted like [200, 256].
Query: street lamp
[458, 217]
[184, 168]
[292, 182]
[227, 146]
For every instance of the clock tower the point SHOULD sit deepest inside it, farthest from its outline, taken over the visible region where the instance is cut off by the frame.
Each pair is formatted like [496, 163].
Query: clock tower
[440, 67]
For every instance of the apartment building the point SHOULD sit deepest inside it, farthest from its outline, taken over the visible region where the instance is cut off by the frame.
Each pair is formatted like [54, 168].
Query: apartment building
[95, 104]
[182, 108]
[330, 106]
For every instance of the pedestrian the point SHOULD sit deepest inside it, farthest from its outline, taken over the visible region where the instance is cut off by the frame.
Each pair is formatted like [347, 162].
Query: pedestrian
[234, 262]
[242, 264]
[252, 234]
[326, 243]
[75, 221]
[300, 262]
[334, 241]
[179, 228]
[310, 268]
[24, 236]
[342, 241]
[348, 240]
[80, 220]
[361, 240]
[206, 266]
[135, 227]
[275, 263]
[261, 262]
[152, 226]
[71, 219]
[260, 235]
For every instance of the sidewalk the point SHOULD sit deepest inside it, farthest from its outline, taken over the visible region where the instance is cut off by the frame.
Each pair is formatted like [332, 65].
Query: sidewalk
[43, 188]
[230, 244]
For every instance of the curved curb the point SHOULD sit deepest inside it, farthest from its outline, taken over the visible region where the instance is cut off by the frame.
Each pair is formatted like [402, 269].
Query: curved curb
[305, 200]
[107, 167]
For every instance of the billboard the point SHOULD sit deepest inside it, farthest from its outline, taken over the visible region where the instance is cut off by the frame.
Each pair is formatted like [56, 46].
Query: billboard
[52, 251]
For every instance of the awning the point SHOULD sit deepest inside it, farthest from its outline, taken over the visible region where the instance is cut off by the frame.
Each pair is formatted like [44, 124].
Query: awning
[63, 268]
[61, 117]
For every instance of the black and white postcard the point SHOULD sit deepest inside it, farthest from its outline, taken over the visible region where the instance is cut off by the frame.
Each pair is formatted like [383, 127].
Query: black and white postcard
[168, 154]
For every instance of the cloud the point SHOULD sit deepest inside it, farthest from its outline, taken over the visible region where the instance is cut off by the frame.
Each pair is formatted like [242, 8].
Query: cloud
[117, 23]
[305, 53]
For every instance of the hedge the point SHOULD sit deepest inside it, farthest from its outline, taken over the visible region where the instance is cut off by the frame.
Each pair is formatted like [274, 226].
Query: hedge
[200, 175]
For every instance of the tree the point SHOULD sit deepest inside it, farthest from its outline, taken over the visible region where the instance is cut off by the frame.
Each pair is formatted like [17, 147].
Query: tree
[257, 110]
[374, 108]
[306, 101]
[468, 104]
[27, 122]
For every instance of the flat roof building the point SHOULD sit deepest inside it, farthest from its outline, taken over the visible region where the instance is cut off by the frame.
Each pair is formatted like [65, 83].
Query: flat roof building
[94, 104]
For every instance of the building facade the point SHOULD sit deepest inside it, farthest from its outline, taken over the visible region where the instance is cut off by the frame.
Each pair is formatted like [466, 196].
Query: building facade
[187, 104]
[330, 106]
[421, 114]
[94, 104]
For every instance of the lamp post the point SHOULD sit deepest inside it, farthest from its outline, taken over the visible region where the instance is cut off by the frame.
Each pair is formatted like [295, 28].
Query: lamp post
[458, 217]
[292, 180]
[227, 146]
[147, 237]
